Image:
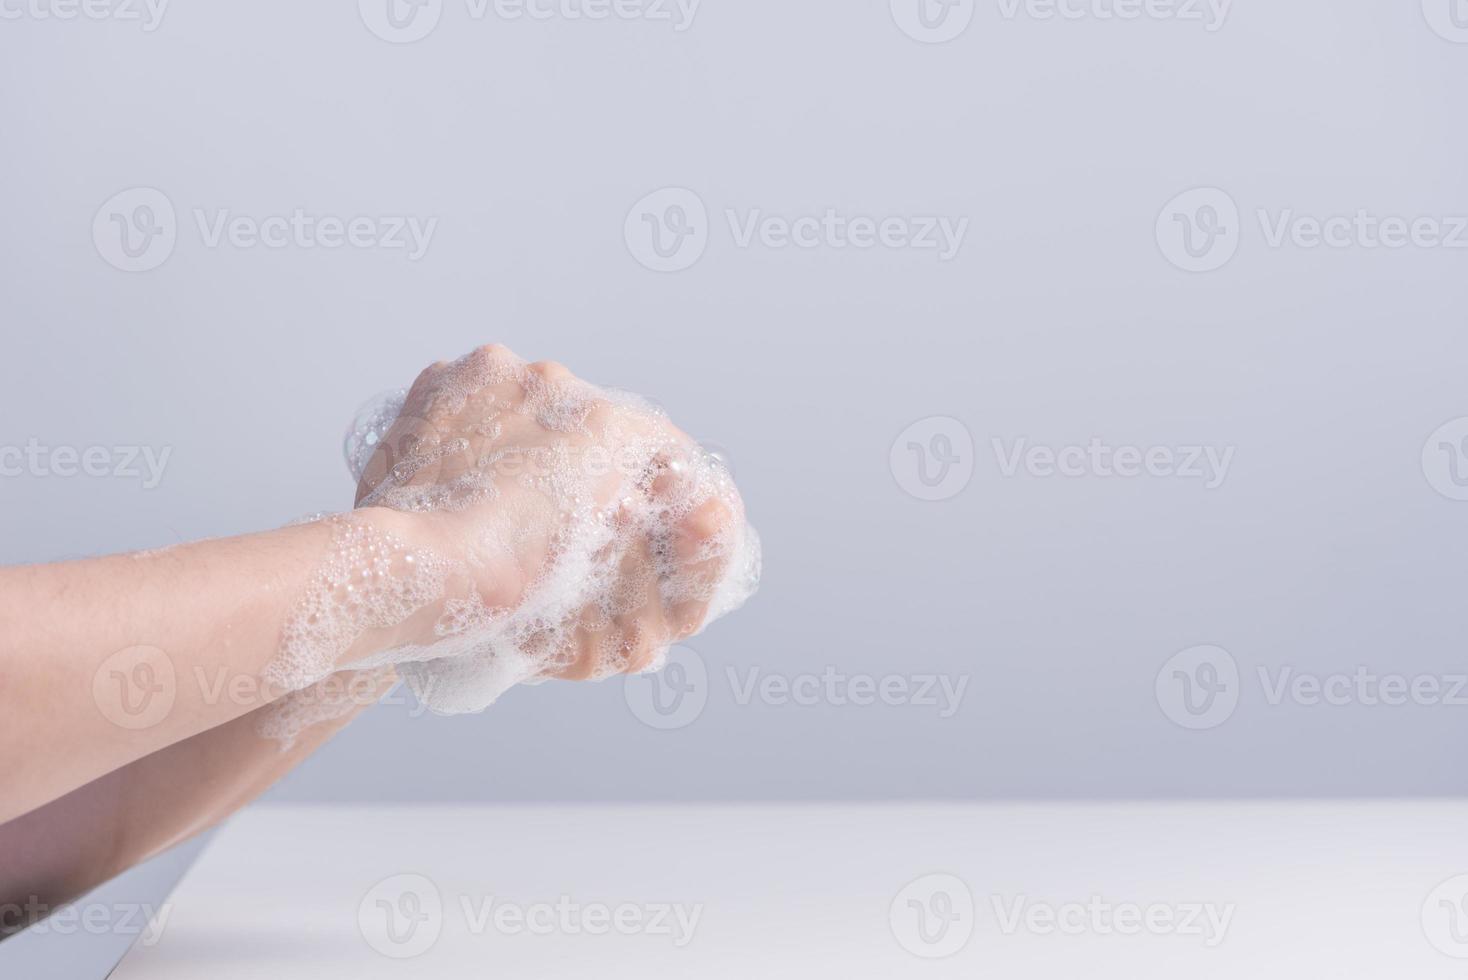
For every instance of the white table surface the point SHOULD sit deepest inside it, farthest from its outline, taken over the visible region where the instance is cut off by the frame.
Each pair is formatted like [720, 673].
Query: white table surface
[1316, 889]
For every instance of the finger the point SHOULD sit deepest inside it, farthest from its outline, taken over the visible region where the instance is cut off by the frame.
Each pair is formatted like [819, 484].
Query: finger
[701, 545]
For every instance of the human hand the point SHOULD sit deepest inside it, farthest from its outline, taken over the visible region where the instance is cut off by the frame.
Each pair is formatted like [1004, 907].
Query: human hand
[581, 533]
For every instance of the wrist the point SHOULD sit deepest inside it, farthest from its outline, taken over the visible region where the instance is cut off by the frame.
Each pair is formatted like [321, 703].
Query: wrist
[401, 576]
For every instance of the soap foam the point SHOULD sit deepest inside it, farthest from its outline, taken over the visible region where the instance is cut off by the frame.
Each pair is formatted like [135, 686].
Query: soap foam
[370, 580]
[329, 699]
[588, 535]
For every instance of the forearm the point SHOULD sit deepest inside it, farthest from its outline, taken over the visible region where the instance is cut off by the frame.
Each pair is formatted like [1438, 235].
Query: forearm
[108, 660]
[63, 849]
[520, 524]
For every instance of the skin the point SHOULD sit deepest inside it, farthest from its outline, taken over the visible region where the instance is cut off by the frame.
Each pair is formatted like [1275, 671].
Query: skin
[67, 847]
[88, 790]
[444, 421]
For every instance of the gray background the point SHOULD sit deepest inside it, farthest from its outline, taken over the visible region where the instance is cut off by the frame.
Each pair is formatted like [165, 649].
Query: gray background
[1061, 319]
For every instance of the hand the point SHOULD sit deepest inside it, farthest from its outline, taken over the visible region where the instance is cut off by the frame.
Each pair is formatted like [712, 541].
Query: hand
[583, 533]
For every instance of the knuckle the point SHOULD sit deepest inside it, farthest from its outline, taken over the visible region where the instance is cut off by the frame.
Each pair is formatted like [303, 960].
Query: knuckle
[550, 370]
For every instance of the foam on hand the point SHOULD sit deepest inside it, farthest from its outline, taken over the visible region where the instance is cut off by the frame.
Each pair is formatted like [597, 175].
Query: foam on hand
[580, 532]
